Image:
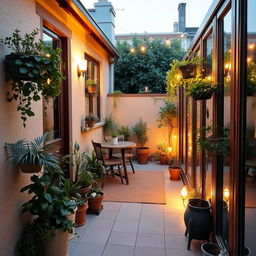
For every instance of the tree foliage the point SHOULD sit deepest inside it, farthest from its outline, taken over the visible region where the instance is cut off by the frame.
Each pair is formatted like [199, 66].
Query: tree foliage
[134, 71]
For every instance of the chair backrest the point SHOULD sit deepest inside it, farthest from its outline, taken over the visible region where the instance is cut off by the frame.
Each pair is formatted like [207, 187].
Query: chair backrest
[120, 137]
[98, 152]
[107, 138]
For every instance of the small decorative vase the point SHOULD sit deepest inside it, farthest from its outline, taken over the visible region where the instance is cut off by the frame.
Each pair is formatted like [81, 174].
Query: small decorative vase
[114, 141]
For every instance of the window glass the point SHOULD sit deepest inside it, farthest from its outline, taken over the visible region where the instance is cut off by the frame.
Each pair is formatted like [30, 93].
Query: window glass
[92, 104]
[250, 144]
[226, 57]
[51, 114]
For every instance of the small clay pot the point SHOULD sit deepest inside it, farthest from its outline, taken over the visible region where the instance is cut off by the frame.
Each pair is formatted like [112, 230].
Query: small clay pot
[80, 219]
[30, 168]
[164, 159]
[174, 172]
[95, 203]
[142, 155]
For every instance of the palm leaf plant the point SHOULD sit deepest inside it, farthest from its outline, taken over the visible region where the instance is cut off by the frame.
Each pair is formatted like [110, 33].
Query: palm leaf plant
[31, 156]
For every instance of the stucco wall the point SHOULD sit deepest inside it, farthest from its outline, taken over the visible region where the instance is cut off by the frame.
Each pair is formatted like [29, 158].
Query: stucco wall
[21, 14]
[131, 107]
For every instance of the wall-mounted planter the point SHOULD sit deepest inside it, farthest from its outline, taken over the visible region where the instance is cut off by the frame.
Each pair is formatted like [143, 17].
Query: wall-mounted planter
[188, 71]
[24, 67]
[92, 88]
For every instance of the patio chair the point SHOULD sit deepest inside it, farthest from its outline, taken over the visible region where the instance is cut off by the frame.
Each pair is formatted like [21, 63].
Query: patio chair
[109, 163]
[128, 154]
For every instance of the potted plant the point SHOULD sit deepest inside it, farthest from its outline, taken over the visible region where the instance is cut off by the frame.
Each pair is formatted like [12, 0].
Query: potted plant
[95, 198]
[114, 138]
[51, 206]
[200, 89]
[181, 72]
[125, 130]
[90, 120]
[85, 181]
[34, 69]
[91, 86]
[31, 156]
[164, 153]
[110, 125]
[174, 170]
[140, 129]
[212, 144]
[210, 249]
[96, 169]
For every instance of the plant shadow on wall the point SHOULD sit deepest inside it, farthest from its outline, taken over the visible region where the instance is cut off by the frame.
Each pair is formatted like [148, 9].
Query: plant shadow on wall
[34, 69]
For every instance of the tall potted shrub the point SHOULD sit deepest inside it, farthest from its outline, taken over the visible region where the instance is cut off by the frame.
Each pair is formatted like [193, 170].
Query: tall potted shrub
[34, 69]
[140, 129]
[167, 118]
[51, 206]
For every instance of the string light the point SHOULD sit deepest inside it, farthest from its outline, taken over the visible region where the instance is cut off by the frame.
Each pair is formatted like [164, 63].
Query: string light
[132, 50]
[143, 48]
[226, 193]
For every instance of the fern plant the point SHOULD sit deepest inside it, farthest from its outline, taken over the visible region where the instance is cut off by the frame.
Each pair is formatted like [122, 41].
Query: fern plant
[32, 154]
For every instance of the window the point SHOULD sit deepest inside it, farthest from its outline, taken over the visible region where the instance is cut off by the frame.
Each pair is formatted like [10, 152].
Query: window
[93, 100]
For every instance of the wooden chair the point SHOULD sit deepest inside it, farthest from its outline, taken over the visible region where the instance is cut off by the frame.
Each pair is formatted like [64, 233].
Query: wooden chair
[128, 155]
[109, 163]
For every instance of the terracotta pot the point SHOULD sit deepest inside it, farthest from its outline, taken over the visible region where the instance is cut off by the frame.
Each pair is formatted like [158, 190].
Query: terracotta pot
[90, 123]
[80, 219]
[188, 71]
[164, 159]
[58, 245]
[92, 88]
[142, 155]
[95, 203]
[84, 191]
[174, 172]
[29, 168]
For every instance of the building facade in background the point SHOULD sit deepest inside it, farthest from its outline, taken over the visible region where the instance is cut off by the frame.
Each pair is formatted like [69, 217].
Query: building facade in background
[180, 31]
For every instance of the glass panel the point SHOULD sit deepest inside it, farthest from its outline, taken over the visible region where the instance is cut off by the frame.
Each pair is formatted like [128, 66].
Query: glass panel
[51, 118]
[209, 112]
[189, 136]
[92, 102]
[226, 111]
[250, 145]
[198, 176]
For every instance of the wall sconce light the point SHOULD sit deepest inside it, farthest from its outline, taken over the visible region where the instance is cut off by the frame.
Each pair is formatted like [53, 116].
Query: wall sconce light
[184, 194]
[81, 68]
[226, 194]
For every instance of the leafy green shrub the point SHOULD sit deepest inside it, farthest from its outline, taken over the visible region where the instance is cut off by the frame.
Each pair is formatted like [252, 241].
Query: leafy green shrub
[140, 129]
[134, 71]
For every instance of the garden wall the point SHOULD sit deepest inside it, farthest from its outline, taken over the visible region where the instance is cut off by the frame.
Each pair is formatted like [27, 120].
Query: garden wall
[130, 107]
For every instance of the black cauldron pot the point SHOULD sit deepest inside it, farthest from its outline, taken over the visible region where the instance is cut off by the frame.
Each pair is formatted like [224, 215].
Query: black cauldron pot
[198, 220]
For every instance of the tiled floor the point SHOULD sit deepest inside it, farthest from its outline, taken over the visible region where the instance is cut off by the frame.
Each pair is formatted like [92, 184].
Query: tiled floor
[134, 229]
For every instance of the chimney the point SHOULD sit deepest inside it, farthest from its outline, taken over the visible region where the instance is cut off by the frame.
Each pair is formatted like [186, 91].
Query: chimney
[176, 27]
[104, 14]
[182, 17]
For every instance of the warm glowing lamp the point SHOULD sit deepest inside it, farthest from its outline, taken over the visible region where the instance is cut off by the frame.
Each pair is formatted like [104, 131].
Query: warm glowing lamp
[169, 149]
[132, 50]
[81, 68]
[143, 48]
[226, 194]
[184, 192]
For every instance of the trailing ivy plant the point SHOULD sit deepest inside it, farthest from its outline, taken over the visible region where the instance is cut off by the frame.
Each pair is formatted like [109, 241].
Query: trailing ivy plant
[34, 69]
[174, 77]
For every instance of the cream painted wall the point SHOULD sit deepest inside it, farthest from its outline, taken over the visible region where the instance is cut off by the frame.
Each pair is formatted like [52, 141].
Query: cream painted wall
[130, 108]
[21, 14]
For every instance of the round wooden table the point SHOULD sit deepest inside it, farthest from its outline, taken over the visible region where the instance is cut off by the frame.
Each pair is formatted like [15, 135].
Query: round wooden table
[122, 145]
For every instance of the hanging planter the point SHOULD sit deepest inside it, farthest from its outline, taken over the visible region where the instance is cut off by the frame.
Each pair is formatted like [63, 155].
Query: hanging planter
[91, 86]
[34, 70]
[188, 71]
[200, 88]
